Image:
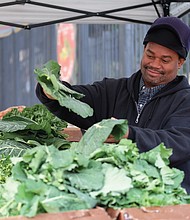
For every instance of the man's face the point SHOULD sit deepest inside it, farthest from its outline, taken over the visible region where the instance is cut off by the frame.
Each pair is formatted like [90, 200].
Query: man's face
[159, 64]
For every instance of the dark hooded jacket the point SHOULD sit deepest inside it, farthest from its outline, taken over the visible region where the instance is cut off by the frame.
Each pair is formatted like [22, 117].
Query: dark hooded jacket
[165, 119]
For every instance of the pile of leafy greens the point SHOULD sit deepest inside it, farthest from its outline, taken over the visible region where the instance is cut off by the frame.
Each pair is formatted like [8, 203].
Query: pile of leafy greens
[90, 173]
[33, 126]
[49, 78]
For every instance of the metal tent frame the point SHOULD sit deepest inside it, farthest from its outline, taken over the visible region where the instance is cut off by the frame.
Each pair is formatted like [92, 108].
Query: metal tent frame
[28, 14]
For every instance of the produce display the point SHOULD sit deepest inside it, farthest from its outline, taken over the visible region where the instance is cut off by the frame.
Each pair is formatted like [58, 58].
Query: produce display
[90, 173]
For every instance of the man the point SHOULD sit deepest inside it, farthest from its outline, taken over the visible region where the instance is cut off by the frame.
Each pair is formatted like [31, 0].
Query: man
[154, 100]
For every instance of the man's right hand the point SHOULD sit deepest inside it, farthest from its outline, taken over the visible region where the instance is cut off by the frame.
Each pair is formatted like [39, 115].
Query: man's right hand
[49, 96]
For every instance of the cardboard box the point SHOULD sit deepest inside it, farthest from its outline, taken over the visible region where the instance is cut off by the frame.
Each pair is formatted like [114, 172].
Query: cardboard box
[176, 212]
[91, 214]
[74, 135]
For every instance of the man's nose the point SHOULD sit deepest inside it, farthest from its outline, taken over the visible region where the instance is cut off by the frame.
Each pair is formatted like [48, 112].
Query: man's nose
[156, 63]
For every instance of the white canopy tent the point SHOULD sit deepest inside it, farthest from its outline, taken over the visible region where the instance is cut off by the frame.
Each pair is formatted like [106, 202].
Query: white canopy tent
[29, 14]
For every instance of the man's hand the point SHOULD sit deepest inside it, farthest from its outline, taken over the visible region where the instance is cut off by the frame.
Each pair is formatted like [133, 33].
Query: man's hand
[49, 96]
[111, 138]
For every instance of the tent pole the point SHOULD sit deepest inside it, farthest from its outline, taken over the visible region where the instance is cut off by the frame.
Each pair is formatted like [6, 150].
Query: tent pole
[166, 7]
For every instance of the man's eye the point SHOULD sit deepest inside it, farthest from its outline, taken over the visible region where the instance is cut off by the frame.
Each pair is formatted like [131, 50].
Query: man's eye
[165, 61]
[149, 56]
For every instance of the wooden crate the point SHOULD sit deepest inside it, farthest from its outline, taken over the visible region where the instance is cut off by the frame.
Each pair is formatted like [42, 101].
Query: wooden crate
[91, 214]
[176, 212]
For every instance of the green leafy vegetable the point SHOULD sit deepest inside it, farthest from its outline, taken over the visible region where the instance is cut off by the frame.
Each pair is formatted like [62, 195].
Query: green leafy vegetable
[98, 134]
[33, 126]
[12, 148]
[5, 168]
[41, 115]
[45, 185]
[47, 179]
[48, 77]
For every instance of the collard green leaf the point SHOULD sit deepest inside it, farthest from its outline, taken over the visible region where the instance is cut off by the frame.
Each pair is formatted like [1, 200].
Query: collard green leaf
[13, 125]
[12, 148]
[31, 208]
[9, 189]
[117, 154]
[59, 159]
[144, 167]
[58, 86]
[18, 173]
[28, 194]
[172, 176]
[48, 77]
[49, 74]
[158, 156]
[90, 202]
[90, 178]
[19, 123]
[75, 105]
[59, 201]
[116, 182]
[97, 134]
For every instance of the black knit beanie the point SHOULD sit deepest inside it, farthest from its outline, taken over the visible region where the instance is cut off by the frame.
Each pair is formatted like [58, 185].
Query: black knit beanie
[170, 32]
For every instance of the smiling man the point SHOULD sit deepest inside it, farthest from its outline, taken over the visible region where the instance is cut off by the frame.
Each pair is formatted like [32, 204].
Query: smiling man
[165, 51]
[159, 65]
[154, 100]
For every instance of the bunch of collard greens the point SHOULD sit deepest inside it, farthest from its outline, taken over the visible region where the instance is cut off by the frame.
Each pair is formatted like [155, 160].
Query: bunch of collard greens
[89, 173]
[49, 78]
[33, 126]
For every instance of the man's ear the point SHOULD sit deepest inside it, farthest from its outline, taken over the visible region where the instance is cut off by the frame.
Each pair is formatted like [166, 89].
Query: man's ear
[181, 62]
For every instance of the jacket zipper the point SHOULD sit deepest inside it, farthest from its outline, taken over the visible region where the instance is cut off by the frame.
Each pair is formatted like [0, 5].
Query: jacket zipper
[138, 115]
[137, 118]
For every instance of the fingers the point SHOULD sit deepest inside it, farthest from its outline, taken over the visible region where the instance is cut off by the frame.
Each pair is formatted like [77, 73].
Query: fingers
[49, 96]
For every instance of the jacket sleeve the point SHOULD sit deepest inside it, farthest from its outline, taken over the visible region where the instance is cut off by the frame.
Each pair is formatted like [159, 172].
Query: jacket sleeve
[61, 112]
